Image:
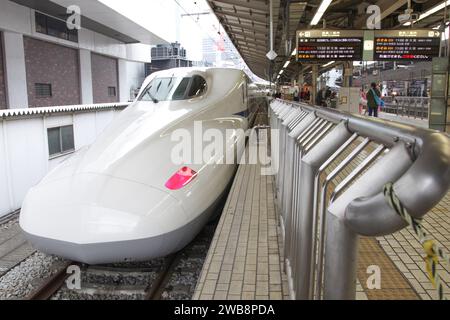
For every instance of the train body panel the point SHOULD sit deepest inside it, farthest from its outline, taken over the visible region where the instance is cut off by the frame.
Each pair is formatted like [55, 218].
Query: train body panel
[109, 202]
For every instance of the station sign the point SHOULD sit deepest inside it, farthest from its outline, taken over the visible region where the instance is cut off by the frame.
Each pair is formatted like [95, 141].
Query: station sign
[410, 44]
[326, 45]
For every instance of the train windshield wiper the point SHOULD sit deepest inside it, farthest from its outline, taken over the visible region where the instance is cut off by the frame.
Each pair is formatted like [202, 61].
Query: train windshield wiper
[151, 96]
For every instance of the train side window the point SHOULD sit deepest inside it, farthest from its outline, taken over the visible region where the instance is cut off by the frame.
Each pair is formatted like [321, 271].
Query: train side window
[198, 87]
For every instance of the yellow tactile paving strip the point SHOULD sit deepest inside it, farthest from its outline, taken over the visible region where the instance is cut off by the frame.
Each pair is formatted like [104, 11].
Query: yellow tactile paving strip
[407, 254]
[393, 284]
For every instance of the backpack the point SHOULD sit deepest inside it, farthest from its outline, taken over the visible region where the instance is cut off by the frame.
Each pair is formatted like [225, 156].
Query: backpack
[378, 100]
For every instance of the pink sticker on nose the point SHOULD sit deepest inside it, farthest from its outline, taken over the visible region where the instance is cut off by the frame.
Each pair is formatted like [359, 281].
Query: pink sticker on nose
[181, 178]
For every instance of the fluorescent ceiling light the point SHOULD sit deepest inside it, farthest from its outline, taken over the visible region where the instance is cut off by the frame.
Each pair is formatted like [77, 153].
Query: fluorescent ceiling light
[294, 52]
[281, 71]
[286, 64]
[327, 64]
[430, 12]
[322, 8]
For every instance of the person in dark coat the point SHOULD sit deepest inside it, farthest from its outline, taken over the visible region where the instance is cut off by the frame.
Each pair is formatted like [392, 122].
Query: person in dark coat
[373, 99]
[319, 97]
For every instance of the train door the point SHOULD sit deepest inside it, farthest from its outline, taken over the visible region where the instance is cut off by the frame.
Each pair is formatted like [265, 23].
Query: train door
[245, 94]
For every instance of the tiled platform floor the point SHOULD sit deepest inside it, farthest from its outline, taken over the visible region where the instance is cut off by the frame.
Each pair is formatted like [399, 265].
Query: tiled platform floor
[406, 252]
[245, 259]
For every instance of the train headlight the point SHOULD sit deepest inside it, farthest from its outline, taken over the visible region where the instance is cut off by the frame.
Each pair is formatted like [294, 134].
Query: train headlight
[181, 178]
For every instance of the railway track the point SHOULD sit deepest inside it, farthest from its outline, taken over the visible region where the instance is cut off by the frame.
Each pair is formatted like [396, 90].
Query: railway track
[13, 247]
[172, 277]
[169, 278]
[50, 285]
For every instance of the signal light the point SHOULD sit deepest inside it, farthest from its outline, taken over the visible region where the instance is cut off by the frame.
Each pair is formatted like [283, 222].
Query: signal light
[180, 178]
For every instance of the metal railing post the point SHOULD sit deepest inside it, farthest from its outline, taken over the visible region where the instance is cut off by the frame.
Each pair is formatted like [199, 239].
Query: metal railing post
[309, 167]
[341, 241]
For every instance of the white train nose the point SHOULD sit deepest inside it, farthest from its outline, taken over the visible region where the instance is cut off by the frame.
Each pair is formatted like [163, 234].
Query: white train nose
[96, 218]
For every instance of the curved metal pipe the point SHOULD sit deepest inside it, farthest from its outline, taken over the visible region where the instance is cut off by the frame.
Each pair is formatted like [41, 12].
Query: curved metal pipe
[425, 182]
[421, 187]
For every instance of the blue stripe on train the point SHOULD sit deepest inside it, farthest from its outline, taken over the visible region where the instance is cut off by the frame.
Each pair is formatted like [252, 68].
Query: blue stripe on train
[243, 113]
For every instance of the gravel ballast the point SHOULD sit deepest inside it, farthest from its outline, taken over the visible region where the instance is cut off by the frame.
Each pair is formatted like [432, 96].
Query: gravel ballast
[26, 277]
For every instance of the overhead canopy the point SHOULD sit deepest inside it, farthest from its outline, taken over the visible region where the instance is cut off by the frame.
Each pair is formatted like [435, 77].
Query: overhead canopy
[247, 24]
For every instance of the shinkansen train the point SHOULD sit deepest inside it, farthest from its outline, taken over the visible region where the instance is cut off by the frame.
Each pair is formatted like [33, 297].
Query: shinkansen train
[124, 198]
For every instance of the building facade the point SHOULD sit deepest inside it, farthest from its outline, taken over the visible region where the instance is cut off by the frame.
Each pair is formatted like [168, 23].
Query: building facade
[104, 78]
[52, 73]
[166, 57]
[220, 52]
[44, 63]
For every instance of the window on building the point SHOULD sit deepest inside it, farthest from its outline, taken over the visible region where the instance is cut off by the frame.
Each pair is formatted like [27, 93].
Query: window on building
[60, 140]
[112, 91]
[43, 90]
[54, 27]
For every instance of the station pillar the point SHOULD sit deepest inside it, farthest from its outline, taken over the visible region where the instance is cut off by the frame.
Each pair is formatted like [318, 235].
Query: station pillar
[16, 76]
[300, 77]
[347, 73]
[315, 75]
[87, 96]
[439, 107]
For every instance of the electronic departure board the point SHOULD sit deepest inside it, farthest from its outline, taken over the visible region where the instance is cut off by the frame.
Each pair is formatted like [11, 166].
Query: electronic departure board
[327, 45]
[408, 44]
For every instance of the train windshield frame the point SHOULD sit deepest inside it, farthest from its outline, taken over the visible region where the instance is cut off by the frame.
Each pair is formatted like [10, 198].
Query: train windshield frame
[174, 88]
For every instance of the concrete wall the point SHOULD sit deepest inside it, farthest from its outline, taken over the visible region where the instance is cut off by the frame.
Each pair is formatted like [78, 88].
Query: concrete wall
[53, 64]
[104, 74]
[86, 77]
[16, 78]
[25, 139]
[20, 19]
[2, 77]
[131, 77]
[18, 23]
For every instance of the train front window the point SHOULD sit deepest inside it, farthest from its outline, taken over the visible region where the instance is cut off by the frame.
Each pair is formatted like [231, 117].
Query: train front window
[160, 89]
[171, 88]
[198, 87]
[180, 92]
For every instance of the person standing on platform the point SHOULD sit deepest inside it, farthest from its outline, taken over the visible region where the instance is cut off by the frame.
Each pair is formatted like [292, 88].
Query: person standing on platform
[319, 97]
[307, 96]
[373, 99]
[296, 96]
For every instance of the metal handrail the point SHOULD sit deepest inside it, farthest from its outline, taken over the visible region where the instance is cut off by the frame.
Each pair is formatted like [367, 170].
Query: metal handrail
[416, 107]
[417, 157]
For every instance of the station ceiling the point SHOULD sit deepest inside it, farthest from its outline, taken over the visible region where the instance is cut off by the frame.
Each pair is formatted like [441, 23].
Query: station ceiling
[247, 24]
